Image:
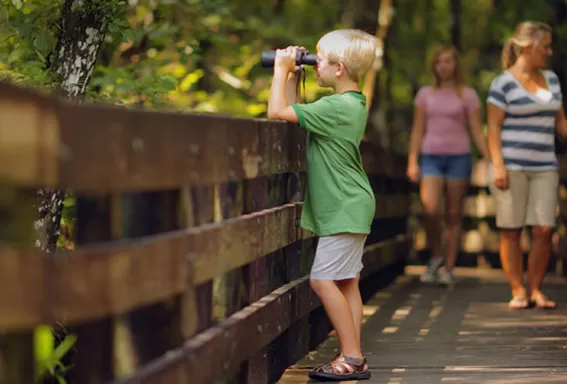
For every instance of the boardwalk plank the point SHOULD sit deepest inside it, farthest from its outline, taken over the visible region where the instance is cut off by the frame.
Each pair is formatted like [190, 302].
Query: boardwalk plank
[429, 334]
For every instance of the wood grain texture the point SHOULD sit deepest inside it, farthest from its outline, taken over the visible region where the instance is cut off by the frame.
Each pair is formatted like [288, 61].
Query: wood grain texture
[426, 334]
[29, 131]
[238, 337]
[131, 150]
[102, 280]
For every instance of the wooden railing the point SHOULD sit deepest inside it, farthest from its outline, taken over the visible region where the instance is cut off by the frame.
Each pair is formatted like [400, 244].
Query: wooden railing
[190, 265]
[480, 238]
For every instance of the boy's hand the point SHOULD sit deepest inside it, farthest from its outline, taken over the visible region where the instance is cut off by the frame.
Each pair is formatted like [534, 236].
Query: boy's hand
[286, 58]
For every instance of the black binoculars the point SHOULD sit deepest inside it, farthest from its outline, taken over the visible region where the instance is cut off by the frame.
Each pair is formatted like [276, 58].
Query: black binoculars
[303, 58]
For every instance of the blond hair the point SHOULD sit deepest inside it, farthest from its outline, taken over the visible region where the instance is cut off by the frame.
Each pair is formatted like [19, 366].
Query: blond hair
[354, 48]
[458, 73]
[527, 33]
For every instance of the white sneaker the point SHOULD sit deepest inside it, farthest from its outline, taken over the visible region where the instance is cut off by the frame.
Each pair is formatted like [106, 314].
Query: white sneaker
[445, 277]
[430, 274]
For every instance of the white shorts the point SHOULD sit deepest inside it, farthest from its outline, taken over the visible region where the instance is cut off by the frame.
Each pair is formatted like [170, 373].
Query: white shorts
[338, 257]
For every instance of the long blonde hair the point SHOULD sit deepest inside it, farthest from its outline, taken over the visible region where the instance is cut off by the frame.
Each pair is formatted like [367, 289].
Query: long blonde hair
[458, 74]
[527, 32]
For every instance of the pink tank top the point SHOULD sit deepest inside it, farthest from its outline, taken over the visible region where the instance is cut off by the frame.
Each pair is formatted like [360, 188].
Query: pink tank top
[446, 119]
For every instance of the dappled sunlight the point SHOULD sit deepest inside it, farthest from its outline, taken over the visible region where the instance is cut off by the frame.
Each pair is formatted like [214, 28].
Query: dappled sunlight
[390, 330]
[401, 313]
[506, 323]
[369, 310]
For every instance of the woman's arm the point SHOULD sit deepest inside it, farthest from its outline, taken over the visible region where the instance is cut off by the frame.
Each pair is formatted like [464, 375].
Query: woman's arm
[475, 124]
[494, 119]
[561, 122]
[416, 138]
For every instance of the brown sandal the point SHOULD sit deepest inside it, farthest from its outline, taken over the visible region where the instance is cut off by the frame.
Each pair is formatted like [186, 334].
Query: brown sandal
[341, 368]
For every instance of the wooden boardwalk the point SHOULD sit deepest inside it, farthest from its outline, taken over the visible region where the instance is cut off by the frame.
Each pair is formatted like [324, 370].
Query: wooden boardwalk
[421, 334]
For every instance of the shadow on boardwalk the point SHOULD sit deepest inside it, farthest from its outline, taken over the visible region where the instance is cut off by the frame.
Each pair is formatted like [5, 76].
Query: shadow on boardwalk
[421, 334]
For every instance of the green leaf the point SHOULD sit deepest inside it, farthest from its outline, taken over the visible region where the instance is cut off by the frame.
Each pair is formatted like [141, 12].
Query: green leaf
[43, 343]
[44, 43]
[65, 346]
[18, 4]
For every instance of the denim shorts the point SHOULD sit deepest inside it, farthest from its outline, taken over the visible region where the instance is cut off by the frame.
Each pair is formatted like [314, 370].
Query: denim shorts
[452, 167]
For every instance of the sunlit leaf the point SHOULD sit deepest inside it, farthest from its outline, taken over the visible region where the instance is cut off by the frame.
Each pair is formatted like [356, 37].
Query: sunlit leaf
[18, 4]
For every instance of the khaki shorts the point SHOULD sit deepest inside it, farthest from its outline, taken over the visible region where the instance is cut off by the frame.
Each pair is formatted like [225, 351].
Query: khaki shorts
[531, 199]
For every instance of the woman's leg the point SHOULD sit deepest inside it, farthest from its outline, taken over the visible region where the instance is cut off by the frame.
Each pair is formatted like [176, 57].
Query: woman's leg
[511, 207]
[456, 192]
[538, 260]
[431, 189]
[512, 263]
[542, 202]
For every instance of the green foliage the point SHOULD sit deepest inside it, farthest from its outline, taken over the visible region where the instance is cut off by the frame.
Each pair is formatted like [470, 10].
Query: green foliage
[27, 36]
[67, 225]
[48, 357]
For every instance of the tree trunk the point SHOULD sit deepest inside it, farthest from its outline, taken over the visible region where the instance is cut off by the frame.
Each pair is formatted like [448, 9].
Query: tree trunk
[558, 19]
[456, 7]
[81, 33]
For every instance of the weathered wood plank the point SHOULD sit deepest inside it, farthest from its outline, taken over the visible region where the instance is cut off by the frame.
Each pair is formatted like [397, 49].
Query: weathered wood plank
[29, 132]
[390, 205]
[483, 239]
[17, 215]
[416, 334]
[101, 280]
[112, 279]
[265, 320]
[129, 150]
[481, 205]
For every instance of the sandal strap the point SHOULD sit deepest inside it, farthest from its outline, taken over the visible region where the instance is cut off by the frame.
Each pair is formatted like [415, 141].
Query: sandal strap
[342, 365]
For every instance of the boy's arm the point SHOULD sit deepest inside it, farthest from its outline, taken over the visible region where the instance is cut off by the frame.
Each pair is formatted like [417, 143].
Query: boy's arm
[292, 88]
[278, 106]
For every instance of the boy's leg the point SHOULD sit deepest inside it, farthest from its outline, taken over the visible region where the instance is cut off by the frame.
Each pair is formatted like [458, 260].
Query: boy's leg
[334, 278]
[339, 312]
[351, 292]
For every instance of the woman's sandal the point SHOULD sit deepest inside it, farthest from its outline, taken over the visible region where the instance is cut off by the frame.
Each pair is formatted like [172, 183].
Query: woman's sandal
[341, 368]
[519, 302]
[542, 302]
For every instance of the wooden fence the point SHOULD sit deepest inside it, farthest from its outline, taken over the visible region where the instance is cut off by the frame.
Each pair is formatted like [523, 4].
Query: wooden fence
[190, 265]
[480, 239]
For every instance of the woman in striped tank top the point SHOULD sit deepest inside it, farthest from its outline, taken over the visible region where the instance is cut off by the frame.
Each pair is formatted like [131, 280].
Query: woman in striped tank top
[524, 110]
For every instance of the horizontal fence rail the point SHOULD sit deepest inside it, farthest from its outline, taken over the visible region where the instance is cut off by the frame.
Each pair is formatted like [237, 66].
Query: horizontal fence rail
[190, 264]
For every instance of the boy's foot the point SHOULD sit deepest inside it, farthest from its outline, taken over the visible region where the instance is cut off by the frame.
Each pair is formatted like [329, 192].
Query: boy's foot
[430, 274]
[342, 368]
[445, 277]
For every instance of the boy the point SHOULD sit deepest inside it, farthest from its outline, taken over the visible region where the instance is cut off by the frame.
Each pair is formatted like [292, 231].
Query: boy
[339, 202]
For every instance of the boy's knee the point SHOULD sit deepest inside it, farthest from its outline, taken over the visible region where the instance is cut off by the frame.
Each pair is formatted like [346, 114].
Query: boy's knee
[316, 285]
[320, 285]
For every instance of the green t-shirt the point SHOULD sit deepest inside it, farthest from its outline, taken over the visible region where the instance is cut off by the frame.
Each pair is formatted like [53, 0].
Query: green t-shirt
[338, 198]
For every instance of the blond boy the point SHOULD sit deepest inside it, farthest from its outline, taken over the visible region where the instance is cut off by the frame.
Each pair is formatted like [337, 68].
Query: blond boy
[339, 202]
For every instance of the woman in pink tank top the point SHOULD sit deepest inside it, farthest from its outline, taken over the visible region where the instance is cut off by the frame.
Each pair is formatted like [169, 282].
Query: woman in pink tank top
[440, 156]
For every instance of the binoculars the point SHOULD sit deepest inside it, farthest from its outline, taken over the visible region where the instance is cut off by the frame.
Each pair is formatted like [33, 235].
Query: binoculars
[303, 58]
